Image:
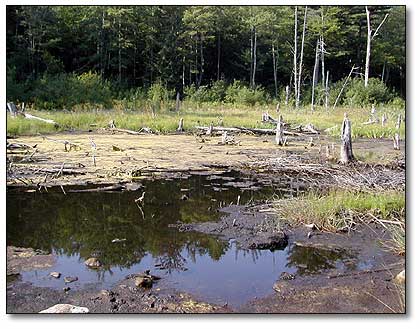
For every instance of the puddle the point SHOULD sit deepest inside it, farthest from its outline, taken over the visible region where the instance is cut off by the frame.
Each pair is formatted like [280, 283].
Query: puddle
[110, 226]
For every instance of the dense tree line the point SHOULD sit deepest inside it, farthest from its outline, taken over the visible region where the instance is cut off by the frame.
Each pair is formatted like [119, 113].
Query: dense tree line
[184, 46]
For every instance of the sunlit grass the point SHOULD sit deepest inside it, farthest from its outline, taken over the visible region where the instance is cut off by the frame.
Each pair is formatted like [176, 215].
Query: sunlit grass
[335, 210]
[166, 121]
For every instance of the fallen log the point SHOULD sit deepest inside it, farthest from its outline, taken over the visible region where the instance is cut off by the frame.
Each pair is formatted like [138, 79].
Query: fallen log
[15, 112]
[65, 142]
[259, 131]
[130, 132]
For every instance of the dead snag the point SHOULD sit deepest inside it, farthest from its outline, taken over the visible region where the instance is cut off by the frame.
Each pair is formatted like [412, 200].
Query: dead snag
[396, 140]
[180, 125]
[210, 129]
[384, 119]
[178, 102]
[399, 119]
[93, 145]
[279, 132]
[12, 109]
[346, 145]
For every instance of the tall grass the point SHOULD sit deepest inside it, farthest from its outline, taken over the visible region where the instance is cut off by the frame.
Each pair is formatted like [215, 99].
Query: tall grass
[166, 119]
[335, 210]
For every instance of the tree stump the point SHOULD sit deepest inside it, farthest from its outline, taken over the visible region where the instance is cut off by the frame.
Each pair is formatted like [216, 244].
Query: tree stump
[346, 145]
[180, 125]
[396, 140]
[210, 129]
[279, 132]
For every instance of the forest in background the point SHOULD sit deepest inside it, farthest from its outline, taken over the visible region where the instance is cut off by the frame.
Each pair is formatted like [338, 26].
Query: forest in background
[62, 57]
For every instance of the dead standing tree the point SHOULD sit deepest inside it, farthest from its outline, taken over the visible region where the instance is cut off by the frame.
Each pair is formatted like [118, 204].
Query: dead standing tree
[370, 37]
[346, 145]
[280, 140]
[301, 59]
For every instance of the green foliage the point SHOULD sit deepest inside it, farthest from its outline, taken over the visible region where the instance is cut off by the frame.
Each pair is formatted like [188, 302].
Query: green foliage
[375, 93]
[237, 93]
[158, 94]
[214, 93]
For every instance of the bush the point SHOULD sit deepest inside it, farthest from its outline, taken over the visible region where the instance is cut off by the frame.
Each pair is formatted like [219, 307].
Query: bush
[68, 90]
[356, 94]
[158, 94]
[237, 93]
[214, 93]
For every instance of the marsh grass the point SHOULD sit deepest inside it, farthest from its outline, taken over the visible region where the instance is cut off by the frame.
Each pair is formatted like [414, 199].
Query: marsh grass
[339, 209]
[166, 119]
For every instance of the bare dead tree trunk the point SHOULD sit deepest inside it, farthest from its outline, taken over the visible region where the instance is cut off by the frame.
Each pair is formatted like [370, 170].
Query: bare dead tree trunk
[252, 58]
[399, 119]
[326, 91]
[314, 76]
[180, 125]
[274, 69]
[344, 86]
[346, 144]
[396, 140]
[286, 101]
[178, 102]
[370, 37]
[201, 61]
[295, 57]
[301, 58]
[279, 132]
[218, 56]
[322, 48]
[255, 58]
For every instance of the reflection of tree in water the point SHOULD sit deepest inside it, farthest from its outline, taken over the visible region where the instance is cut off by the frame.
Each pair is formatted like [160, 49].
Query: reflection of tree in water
[86, 224]
[255, 254]
[309, 260]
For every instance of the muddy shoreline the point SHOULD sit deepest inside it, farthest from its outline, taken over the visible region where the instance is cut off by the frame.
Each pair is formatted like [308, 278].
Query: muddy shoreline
[359, 271]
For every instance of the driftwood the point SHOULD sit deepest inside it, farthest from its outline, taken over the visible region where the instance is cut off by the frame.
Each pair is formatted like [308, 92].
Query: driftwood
[130, 132]
[346, 145]
[15, 112]
[257, 131]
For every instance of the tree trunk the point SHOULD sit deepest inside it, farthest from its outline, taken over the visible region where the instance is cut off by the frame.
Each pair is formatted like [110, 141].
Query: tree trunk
[274, 69]
[295, 58]
[322, 49]
[255, 58]
[252, 59]
[178, 102]
[218, 56]
[279, 132]
[180, 125]
[369, 39]
[286, 101]
[301, 57]
[326, 91]
[344, 86]
[314, 76]
[346, 144]
[201, 60]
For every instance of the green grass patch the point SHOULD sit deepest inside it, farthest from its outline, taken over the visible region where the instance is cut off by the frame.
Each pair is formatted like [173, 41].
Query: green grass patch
[338, 210]
[166, 120]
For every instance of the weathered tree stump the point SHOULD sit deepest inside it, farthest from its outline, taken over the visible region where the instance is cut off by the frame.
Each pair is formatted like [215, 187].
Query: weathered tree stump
[396, 140]
[279, 132]
[210, 129]
[346, 144]
[12, 109]
[180, 125]
[111, 124]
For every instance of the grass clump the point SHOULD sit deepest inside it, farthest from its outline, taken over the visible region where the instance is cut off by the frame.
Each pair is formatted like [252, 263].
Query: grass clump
[338, 210]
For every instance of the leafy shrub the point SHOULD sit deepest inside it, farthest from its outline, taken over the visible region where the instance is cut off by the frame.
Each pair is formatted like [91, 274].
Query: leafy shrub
[237, 93]
[158, 94]
[216, 92]
[356, 94]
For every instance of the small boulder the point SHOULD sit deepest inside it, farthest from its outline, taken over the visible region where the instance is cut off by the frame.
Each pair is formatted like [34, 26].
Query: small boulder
[69, 279]
[55, 275]
[144, 281]
[93, 262]
[400, 278]
[66, 308]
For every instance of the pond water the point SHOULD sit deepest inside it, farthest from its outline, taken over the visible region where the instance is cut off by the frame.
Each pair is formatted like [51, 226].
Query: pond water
[78, 225]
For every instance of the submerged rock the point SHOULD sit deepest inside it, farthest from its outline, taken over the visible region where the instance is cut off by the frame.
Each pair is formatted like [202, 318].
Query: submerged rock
[69, 279]
[66, 308]
[93, 262]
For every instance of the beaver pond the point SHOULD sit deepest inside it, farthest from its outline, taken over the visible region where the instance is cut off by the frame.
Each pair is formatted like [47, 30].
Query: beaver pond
[75, 224]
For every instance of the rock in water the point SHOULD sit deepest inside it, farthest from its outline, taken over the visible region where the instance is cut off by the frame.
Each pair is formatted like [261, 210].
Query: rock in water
[69, 279]
[65, 308]
[400, 278]
[55, 274]
[93, 262]
[144, 281]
